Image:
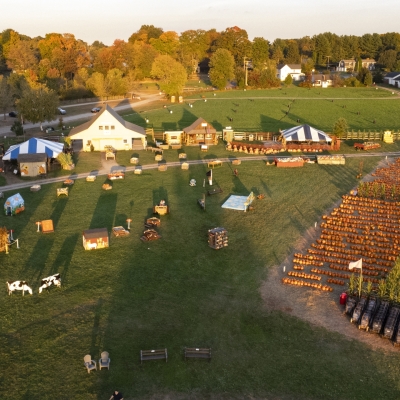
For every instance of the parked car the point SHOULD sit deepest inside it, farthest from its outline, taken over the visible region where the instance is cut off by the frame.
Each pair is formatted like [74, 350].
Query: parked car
[61, 111]
[13, 114]
[95, 110]
[49, 129]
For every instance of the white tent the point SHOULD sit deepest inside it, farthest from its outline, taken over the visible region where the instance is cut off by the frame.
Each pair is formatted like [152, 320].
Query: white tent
[305, 133]
[34, 146]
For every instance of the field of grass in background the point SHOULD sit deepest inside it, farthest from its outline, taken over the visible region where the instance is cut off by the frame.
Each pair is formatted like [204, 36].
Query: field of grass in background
[176, 292]
[255, 113]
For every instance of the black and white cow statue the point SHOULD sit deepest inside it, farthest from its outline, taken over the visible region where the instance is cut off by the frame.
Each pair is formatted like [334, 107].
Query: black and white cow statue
[50, 280]
[18, 285]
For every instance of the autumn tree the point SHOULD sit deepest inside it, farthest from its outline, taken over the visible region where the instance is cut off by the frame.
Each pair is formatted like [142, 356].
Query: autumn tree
[171, 75]
[222, 66]
[22, 56]
[145, 34]
[115, 82]
[38, 105]
[167, 43]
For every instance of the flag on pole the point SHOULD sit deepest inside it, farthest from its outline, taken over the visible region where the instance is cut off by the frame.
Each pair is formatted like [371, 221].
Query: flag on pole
[355, 264]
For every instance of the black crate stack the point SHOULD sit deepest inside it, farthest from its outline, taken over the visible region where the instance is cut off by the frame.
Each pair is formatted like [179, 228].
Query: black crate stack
[218, 238]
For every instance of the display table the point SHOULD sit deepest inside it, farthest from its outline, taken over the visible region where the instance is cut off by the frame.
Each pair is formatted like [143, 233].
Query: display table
[289, 162]
[331, 160]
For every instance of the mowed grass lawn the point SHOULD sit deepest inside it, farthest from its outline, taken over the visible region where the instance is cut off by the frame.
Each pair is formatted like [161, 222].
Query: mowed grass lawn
[265, 110]
[176, 292]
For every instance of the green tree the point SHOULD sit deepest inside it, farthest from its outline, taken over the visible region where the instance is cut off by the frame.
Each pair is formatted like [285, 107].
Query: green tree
[236, 41]
[167, 43]
[260, 52]
[171, 75]
[38, 105]
[98, 85]
[17, 128]
[292, 54]
[340, 128]
[115, 82]
[6, 96]
[222, 66]
[288, 80]
[192, 49]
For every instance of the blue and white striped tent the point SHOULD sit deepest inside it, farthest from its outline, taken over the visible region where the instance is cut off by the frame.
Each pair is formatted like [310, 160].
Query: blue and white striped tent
[305, 133]
[34, 146]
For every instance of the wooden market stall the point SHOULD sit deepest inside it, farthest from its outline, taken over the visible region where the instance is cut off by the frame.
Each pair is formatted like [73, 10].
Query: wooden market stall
[200, 133]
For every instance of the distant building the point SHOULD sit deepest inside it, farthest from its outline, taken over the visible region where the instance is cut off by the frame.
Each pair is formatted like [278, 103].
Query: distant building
[350, 64]
[289, 69]
[392, 78]
[321, 80]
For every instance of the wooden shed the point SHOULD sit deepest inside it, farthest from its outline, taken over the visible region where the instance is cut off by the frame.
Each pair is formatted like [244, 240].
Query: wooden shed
[95, 239]
[32, 164]
[200, 132]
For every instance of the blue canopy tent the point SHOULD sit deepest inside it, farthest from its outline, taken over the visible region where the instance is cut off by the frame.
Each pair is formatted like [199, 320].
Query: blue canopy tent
[305, 133]
[34, 146]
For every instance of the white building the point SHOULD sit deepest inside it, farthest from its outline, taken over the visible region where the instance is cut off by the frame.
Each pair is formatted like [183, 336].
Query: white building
[392, 78]
[289, 69]
[108, 129]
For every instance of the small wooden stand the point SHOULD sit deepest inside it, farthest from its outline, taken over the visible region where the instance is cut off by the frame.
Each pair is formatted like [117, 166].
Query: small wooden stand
[119, 231]
[47, 226]
[62, 191]
[218, 238]
[161, 210]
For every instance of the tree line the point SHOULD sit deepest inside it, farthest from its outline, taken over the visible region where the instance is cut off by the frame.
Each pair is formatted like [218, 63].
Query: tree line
[72, 68]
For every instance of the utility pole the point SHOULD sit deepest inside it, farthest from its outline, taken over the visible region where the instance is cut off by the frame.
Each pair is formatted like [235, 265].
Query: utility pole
[245, 70]
[327, 61]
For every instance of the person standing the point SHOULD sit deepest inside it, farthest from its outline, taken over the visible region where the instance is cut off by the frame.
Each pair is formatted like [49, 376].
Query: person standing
[117, 395]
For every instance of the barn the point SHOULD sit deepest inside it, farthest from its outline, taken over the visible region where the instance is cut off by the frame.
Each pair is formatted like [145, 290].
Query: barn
[109, 130]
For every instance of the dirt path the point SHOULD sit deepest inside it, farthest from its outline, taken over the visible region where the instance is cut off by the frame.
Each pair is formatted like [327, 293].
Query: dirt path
[316, 307]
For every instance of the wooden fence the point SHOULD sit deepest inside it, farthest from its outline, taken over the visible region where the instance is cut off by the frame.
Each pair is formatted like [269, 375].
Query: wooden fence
[368, 135]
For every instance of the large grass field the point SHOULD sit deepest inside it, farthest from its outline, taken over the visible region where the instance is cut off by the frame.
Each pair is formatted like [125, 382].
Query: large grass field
[176, 292]
[265, 110]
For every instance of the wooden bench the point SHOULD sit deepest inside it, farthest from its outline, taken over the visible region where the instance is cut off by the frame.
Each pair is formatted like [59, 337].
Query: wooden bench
[192, 352]
[146, 355]
[214, 191]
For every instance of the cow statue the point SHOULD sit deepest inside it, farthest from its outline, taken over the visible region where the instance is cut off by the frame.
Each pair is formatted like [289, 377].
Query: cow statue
[18, 285]
[50, 280]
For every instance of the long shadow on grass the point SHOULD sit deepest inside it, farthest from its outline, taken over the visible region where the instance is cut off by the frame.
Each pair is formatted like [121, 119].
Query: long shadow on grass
[104, 213]
[62, 262]
[37, 261]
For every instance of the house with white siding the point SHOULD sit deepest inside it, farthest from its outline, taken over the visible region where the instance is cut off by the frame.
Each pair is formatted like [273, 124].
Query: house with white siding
[283, 70]
[109, 130]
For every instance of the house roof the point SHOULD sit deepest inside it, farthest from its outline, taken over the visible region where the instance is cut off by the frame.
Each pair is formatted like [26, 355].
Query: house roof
[291, 66]
[95, 233]
[304, 133]
[197, 128]
[392, 74]
[126, 124]
[34, 146]
[321, 77]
